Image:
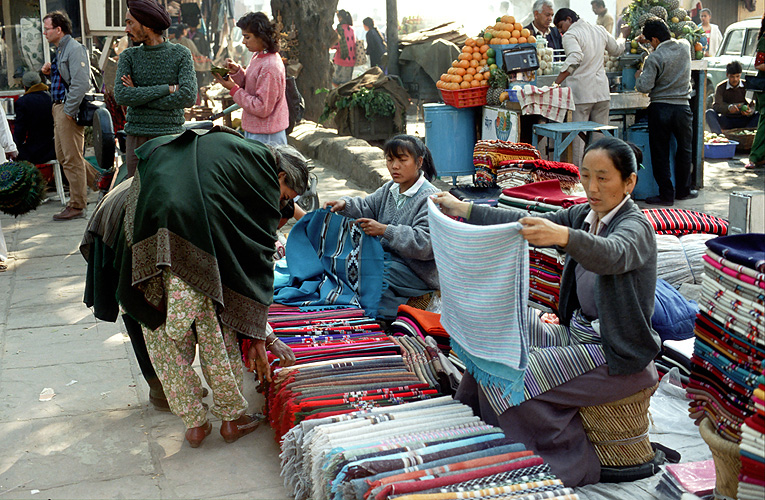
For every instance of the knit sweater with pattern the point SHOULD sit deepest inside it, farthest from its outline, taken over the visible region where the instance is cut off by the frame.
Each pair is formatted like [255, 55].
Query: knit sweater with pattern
[408, 231]
[152, 109]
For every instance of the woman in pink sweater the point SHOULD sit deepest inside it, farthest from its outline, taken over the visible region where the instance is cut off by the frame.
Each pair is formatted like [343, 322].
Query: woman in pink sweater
[259, 89]
[345, 57]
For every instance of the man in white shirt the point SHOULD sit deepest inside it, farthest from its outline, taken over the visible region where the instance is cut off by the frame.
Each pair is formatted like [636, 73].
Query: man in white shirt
[584, 71]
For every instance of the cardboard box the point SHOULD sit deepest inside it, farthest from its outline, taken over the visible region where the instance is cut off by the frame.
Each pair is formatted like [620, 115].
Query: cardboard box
[500, 123]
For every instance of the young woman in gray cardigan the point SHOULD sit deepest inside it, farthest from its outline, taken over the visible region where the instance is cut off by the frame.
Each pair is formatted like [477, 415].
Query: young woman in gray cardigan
[397, 213]
[610, 276]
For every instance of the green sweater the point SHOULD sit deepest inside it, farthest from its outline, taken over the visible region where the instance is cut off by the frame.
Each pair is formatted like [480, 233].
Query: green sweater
[152, 109]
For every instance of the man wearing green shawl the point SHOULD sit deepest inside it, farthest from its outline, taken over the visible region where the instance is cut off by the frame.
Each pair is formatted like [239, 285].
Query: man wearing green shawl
[186, 250]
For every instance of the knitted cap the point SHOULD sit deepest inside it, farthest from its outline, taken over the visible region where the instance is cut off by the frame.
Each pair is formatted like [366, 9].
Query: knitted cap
[150, 14]
[30, 78]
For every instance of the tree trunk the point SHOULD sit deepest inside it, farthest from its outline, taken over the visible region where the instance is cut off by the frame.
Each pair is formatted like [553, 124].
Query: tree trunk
[314, 21]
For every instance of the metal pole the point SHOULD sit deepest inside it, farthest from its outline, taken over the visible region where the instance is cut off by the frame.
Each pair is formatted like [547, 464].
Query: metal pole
[391, 31]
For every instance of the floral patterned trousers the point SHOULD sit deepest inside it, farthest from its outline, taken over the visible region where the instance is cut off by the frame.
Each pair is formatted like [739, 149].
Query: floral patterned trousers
[191, 321]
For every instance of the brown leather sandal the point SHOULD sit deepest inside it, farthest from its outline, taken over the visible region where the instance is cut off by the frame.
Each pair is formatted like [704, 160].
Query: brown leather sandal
[196, 435]
[231, 430]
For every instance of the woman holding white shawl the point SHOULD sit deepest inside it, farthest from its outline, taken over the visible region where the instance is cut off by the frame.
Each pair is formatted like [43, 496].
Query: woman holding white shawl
[604, 348]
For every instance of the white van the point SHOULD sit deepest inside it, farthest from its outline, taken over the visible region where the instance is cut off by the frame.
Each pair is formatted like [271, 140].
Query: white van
[739, 44]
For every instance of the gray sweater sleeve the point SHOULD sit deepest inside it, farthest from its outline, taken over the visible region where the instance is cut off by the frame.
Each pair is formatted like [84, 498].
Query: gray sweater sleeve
[364, 206]
[412, 241]
[625, 249]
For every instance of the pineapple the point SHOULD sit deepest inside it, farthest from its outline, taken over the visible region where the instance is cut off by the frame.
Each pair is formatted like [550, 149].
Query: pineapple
[678, 14]
[659, 12]
[497, 84]
[671, 5]
[645, 17]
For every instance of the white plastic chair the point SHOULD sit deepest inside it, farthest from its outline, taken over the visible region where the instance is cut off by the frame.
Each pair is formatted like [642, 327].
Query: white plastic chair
[58, 178]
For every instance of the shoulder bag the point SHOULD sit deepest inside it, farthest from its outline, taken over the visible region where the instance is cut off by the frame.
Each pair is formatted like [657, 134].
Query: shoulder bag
[361, 53]
[755, 83]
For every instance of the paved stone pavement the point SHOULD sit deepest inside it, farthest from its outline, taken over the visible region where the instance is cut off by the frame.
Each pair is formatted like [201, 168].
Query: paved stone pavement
[98, 437]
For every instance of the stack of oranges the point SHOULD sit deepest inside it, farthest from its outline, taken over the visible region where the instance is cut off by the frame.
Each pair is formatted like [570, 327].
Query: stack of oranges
[507, 31]
[476, 61]
[470, 69]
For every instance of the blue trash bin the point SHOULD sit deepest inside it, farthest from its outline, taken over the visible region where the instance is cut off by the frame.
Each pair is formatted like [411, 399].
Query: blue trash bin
[450, 135]
[646, 185]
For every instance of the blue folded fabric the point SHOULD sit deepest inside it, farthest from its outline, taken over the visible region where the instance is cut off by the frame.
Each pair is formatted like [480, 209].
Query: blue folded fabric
[330, 261]
[745, 249]
[674, 316]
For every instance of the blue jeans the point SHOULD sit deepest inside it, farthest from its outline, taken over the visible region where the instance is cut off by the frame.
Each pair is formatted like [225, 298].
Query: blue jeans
[718, 123]
[277, 138]
[665, 120]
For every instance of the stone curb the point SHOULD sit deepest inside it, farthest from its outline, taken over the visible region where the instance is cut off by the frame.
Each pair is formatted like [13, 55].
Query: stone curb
[354, 158]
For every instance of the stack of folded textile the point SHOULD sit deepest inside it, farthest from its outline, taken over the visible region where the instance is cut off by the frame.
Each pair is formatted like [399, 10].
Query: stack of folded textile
[751, 484]
[544, 196]
[335, 387]
[676, 354]
[420, 323]
[545, 271]
[320, 334]
[678, 221]
[514, 173]
[428, 449]
[680, 259]
[489, 155]
[730, 333]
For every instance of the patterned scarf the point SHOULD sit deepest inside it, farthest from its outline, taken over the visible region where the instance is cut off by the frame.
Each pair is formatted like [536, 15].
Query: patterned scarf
[330, 261]
[487, 334]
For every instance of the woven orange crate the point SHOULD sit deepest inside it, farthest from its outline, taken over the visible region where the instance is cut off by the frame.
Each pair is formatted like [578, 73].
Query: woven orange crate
[465, 98]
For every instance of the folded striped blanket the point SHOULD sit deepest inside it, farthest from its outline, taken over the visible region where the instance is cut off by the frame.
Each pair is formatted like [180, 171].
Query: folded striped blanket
[488, 335]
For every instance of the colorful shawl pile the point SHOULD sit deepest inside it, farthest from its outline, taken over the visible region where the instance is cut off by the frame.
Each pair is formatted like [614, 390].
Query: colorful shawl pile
[419, 449]
[678, 221]
[515, 173]
[751, 484]
[729, 353]
[420, 323]
[545, 271]
[330, 261]
[487, 335]
[489, 155]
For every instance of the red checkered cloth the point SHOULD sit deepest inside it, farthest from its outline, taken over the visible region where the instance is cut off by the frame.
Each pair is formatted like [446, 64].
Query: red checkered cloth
[678, 221]
[551, 102]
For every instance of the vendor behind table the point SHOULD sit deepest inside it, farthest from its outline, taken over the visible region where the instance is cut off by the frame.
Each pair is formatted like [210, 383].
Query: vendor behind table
[584, 70]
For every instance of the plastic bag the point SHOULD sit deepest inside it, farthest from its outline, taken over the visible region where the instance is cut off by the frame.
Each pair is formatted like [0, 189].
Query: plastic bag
[669, 407]
[434, 305]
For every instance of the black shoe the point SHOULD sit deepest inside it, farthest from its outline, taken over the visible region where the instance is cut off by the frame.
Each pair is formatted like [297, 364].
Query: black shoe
[658, 200]
[693, 193]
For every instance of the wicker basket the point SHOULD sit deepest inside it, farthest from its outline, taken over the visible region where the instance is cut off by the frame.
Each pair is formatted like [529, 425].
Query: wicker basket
[744, 141]
[619, 430]
[465, 98]
[422, 301]
[727, 459]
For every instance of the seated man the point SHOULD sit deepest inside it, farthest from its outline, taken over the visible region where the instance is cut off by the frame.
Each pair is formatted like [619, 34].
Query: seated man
[730, 108]
[33, 133]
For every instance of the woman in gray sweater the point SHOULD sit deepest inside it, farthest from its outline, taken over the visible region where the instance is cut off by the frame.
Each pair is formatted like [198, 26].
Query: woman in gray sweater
[397, 213]
[606, 303]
